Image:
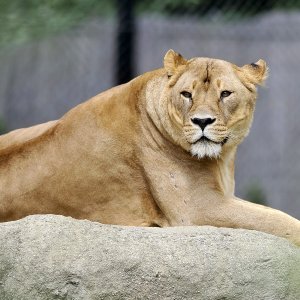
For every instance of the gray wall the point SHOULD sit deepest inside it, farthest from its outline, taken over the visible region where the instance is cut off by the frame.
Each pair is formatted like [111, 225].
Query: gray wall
[42, 80]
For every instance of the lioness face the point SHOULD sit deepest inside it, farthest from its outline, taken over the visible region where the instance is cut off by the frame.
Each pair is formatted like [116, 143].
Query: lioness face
[213, 101]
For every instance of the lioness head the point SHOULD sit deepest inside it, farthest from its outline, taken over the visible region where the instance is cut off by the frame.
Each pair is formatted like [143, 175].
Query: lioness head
[210, 102]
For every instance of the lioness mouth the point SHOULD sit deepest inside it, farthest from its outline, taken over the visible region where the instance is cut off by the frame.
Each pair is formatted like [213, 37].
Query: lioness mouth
[206, 139]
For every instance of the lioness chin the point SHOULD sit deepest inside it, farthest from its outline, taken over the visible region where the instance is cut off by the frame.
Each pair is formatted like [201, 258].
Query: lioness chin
[157, 151]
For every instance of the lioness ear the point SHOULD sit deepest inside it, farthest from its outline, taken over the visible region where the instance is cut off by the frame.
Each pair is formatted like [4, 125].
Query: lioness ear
[172, 61]
[257, 72]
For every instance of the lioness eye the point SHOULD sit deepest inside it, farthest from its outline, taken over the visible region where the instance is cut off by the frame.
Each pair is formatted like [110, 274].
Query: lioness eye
[225, 94]
[186, 94]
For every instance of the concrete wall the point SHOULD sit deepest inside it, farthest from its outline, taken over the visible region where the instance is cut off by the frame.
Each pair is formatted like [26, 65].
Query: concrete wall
[42, 80]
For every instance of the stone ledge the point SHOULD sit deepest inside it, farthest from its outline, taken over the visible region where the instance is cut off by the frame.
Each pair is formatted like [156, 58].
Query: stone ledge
[54, 257]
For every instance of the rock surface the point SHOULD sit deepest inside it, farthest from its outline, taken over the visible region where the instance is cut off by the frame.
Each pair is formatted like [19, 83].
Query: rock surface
[54, 257]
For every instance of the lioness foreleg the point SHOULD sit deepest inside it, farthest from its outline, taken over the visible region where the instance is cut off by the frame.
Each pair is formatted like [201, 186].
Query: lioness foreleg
[237, 213]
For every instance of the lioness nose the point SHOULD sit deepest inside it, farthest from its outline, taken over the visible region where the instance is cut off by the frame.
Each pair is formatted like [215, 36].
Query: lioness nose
[203, 122]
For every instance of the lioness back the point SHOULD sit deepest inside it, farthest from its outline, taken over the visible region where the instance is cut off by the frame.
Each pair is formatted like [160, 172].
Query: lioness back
[20, 136]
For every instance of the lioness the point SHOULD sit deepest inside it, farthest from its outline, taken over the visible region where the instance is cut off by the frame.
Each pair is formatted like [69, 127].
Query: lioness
[157, 151]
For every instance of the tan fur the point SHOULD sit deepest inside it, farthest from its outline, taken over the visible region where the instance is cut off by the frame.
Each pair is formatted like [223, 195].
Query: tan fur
[133, 156]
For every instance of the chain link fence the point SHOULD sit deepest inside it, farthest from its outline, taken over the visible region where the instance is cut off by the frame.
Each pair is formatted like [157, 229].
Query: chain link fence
[56, 54]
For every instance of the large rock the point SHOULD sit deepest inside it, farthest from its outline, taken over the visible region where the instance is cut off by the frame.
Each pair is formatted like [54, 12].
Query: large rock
[53, 257]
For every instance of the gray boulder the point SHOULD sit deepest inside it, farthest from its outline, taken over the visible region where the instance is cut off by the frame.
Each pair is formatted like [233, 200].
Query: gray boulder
[54, 257]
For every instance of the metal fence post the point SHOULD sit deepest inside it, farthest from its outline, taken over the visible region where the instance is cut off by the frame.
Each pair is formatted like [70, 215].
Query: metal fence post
[125, 41]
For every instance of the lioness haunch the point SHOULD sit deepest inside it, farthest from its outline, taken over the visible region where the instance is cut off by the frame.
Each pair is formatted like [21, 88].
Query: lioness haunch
[157, 151]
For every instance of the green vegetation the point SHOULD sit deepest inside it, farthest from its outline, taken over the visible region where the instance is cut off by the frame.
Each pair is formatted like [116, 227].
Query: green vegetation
[204, 7]
[255, 193]
[23, 20]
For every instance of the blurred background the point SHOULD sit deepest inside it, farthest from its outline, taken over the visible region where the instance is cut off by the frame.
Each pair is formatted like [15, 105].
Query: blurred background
[55, 54]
